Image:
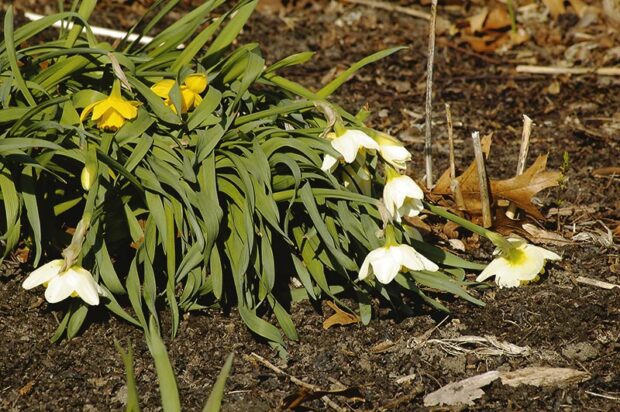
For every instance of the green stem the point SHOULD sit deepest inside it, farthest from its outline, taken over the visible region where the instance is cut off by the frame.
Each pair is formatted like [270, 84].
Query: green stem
[513, 16]
[390, 237]
[497, 239]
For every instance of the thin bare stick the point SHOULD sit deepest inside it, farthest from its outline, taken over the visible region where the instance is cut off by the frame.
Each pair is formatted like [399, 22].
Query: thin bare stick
[428, 142]
[511, 213]
[298, 382]
[391, 7]
[454, 184]
[601, 71]
[482, 181]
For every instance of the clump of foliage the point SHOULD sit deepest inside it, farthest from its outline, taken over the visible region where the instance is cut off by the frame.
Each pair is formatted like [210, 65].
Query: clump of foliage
[192, 174]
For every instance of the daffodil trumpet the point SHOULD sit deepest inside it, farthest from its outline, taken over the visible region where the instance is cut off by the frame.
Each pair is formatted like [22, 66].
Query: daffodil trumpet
[401, 195]
[388, 261]
[517, 262]
[193, 85]
[347, 142]
[112, 112]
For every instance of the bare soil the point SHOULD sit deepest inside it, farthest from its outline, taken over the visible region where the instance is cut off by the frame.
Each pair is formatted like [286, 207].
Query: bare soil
[564, 323]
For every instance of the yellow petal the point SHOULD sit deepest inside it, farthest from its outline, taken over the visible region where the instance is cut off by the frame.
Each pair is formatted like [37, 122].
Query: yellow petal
[111, 120]
[162, 88]
[197, 100]
[88, 109]
[196, 82]
[125, 108]
[102, 107]
[188, 97]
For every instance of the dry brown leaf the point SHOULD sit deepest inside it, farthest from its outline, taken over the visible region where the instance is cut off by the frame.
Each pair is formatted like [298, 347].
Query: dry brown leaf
[339, 318]
[25, 390]
[556, 7]
[476, 22]
[497, 19]
[519, 190]
[541, 236]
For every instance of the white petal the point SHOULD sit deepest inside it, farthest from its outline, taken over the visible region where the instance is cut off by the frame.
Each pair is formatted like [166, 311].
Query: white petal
[346, 147]
[509, 278]
[43, 274]
[414, 260]
[397, 156]
[375, 254]
[531, 266]
[411, 208]
[409, 187]
[328, 163]
[385, 269]
[85, 285]
[388, 201]
[547, 254]
[58, 289]
[497, 265]
[361, 139]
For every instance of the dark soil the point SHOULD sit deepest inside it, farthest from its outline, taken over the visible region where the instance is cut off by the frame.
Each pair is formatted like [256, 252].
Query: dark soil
[564, 323]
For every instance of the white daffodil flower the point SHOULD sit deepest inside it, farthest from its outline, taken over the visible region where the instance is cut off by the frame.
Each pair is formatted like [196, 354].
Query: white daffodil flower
[393, 151]
[348, 145]
[387, 261]
[402, 196]
[75, 281]
[518, 264]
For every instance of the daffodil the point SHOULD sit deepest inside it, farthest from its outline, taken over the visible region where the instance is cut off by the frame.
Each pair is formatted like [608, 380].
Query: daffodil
[191, 88]
[517, 263]
[386, 262]
[348, 143]
[392, 151]
[63, 282]
[401, 195]
[112, 112]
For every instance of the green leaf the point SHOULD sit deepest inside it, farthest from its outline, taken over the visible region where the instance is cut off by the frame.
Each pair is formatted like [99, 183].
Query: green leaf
[217, 392]
[165, 374]
[132, 403]
[332, 86]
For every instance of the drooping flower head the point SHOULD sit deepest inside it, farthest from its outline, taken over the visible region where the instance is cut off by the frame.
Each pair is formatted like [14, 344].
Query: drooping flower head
[517, 263]
[387, 261]
[401, 195]
[191, 89]
[112, 112]
[392, 150]
[348, 143]
[62, 283]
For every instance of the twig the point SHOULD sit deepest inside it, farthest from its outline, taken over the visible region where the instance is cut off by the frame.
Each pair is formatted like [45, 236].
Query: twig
[598, 283]
[602, 71]
[298, 382]
[482, 181]
[511, 213]
[454, 183]
[391, 7]
[428, 156]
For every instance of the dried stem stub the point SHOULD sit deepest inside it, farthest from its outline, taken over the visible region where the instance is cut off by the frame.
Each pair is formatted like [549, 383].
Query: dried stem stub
[482, 181]
[428, 158]
[454, 183]
[511, 213]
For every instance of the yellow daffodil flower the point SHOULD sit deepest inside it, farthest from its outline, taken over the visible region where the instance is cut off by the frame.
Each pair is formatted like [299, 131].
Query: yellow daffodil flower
[401, 195]
[518, 263]
[191, 88]
[74, 281]
[386, 262]
[347, 143]
[392, 151]
[112, 112]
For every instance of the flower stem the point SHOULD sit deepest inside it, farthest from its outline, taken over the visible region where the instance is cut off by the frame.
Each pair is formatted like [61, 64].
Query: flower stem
[497, 239]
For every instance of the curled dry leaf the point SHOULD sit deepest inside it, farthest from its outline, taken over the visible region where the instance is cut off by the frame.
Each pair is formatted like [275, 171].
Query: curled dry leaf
[490, 29]
[542, 376]
[519, 190]
[339, 318]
